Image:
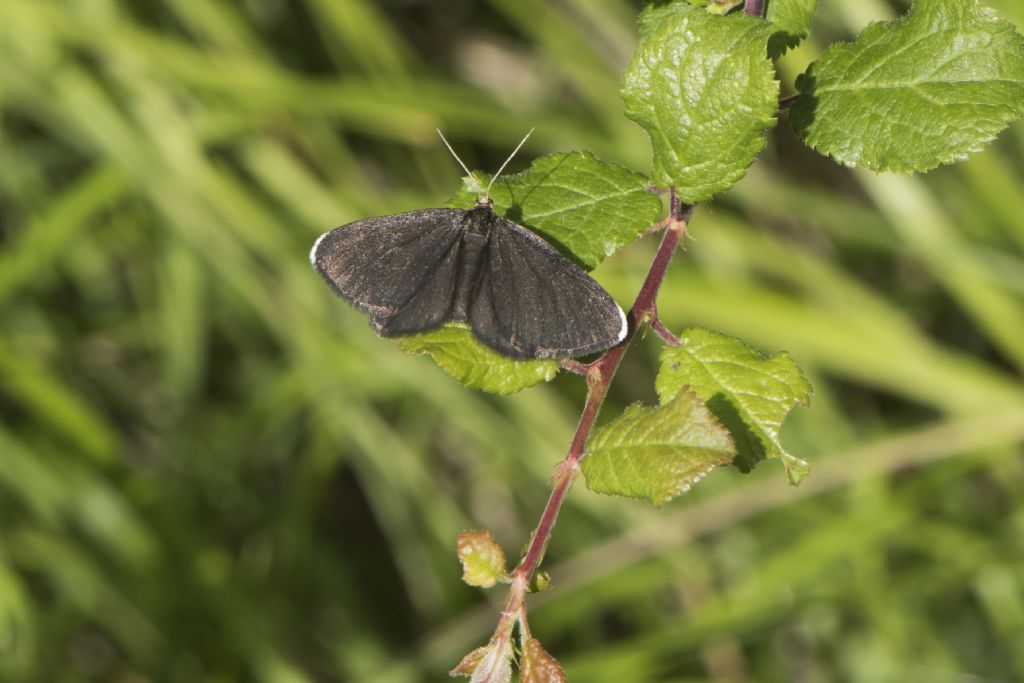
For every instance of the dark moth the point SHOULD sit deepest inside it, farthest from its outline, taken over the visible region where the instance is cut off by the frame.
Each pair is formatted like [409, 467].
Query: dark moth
[415, 271]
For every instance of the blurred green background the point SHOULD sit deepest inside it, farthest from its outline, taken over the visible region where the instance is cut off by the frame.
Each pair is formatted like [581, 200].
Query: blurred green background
[211, 470]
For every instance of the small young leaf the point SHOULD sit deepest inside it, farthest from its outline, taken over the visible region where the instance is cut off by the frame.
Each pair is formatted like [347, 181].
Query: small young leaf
[470, 662]
[495, 667]
[540, 582]
[792, 20]
[586, 207]
[491, 663]
[703, 88]
[657, 453]
[537, 666]
[911, 94]
[749, 393]
[459, 354]
[483, 562]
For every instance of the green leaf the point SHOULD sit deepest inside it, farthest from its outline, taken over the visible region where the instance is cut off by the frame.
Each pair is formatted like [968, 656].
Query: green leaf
[792, 20]
[703, 88]
[459, 354]
[540, 582]
[483, 561]
[749, 393]
[911, 94]
[586, 207]
[657, 453]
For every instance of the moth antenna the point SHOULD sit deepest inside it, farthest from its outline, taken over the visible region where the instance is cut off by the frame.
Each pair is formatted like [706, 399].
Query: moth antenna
[448, 145]
[514, 152]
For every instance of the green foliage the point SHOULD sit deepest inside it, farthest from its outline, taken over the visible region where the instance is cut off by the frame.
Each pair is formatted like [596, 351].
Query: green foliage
[456, 350]
[704, 90]
[911, 94]
[211, 470]
[17, 630]
[657, 453]
[587, 207]
[749, 393]
[792, 20]
[483, 561]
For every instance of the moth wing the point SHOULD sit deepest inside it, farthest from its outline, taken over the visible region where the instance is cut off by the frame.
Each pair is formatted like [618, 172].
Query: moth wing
[400, 269]
[532, 302]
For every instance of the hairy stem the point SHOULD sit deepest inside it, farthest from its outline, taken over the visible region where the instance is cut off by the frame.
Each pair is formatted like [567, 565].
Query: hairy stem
[575, 366]
[599, 379]
[663, 332]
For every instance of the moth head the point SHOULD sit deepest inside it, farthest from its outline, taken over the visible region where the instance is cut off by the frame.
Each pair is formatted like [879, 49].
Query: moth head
[484, 198]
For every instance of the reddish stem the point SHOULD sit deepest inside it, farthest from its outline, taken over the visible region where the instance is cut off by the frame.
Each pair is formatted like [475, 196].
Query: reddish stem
[599, 379]
[575, 366]
[663, 332]
[753, 8]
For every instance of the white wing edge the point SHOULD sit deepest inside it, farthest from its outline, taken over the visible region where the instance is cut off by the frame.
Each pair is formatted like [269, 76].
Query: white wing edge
[622, 317]
[312, 252]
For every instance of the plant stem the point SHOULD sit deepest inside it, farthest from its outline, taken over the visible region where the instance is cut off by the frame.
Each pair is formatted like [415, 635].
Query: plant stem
[787, 102]
[599, 379]
[575, 366]
[663, 332]
[753, 8]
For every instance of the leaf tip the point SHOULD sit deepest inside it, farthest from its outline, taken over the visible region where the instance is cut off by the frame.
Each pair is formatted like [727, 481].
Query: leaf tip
[796, 469]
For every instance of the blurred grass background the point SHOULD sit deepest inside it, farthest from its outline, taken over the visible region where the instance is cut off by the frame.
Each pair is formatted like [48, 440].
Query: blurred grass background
[211, 470]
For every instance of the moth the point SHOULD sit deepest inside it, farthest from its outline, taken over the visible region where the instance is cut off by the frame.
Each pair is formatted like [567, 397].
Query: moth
[415, 271]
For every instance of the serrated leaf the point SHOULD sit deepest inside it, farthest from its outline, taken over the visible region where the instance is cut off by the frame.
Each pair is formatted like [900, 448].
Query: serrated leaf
[792, 21]
[537, 666]
[491, 663]
[703, 88]
[483, 561]
[911, 94]
[459, 354]
[657, 453]
[586, 207]
[749, 393]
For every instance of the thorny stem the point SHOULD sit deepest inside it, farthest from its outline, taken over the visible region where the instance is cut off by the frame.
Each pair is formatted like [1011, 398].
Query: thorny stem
[599, 378]
[753, 8]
